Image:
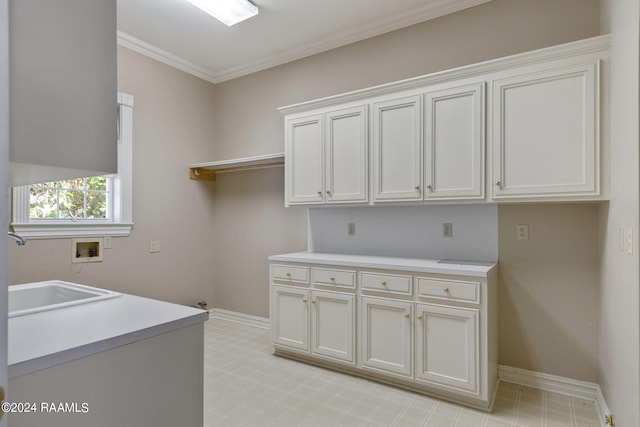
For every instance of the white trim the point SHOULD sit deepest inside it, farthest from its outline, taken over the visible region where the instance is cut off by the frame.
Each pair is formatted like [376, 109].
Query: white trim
[121, 195]
[64, 231]
[245, 319]
[149, 50]
[595, 46]
[556, 384]
[430, 10]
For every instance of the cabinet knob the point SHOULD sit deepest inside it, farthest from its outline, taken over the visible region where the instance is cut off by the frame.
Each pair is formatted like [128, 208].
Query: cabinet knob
[429, 187]
[289, 275]
[320, 193]
[333, 279]
[304, 300]
[417, 187]
[446, 290]
[419, 317]
[328, 192]
[313, 301]
[407, 315]
[499, 184]
[383, 283]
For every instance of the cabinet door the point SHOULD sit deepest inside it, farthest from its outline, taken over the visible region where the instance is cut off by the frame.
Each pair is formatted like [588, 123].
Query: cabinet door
[63, 79]
[333, 325]
[290, 317]
[545, 133]
[346, 155]
[303, 163]
[386, 335]
[447, 346]
[454, 143]
[397, 148]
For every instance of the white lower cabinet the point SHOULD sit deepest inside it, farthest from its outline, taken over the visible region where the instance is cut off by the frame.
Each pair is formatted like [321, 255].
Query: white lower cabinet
[386, 335]
[316, 322]
[434, 332]
[290, 322]
[447, 346]
[333, 325]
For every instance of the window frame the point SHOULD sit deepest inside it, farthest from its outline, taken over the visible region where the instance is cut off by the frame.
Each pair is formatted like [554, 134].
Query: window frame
[120, 222]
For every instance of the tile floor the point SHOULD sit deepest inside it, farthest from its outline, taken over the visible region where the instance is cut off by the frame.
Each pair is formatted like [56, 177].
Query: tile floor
[246, 385]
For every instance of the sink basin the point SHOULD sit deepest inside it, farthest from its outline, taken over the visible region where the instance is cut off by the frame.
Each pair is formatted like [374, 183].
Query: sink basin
[52, 295]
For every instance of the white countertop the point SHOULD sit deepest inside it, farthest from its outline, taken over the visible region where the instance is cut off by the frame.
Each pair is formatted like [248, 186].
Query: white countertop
[468, 268]
[49, 338]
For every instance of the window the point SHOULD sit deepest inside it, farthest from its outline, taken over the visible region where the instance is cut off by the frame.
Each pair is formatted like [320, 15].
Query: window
[91, 206]
[74, 199]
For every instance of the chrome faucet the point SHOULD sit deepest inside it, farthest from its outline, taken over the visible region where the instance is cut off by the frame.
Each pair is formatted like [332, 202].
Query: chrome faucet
[19, 240]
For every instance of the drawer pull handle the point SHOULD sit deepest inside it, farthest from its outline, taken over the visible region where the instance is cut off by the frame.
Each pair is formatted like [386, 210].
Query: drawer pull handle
[383, 283]
[333, 279]
[446, 290]
[419, 317]
[304, 300]
[289, 275]
[407, 315]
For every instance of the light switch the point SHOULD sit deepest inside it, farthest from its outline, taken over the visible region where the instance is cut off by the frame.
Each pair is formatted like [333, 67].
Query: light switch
[154, 247]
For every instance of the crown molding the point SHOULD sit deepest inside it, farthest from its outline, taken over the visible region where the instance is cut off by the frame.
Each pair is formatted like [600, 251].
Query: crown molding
[431, 10]
[153, 52]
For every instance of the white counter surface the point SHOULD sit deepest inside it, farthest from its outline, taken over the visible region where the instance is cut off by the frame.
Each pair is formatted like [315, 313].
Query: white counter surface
[49, 338]
[463, 268]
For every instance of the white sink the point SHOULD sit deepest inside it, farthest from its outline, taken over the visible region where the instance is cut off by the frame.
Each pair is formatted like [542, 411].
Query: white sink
[52, 295]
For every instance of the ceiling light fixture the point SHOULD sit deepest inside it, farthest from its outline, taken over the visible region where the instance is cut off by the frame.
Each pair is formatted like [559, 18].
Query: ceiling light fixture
[229, 12]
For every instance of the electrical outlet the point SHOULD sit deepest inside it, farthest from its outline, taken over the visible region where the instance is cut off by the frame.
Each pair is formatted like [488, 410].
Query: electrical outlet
[351, 229]
[154, 247]
[447, 229]
[523, 231]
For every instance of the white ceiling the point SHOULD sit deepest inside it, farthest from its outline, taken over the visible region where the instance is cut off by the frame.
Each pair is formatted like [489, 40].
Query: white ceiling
[181, 35]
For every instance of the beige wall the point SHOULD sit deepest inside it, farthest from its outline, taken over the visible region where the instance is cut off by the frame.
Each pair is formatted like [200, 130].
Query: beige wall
[492, 30]
[216, 236]
[619, 298]
[548, 289]
[173, 127]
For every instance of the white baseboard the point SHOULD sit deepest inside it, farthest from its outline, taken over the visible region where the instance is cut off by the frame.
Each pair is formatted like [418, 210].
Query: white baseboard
[559, 385]
[245, 319]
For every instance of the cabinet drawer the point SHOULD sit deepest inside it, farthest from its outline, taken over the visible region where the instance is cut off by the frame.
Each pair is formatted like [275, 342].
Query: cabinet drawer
[449, 289]
[386, 282]
[324, 276]
[290, 273]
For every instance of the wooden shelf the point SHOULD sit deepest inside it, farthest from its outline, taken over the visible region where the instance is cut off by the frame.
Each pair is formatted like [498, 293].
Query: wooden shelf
[208, 171]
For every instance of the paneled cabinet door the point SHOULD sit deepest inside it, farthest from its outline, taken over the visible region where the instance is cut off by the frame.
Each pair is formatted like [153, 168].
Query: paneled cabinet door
[397, 148]
[447, 346]
[545, 133]
[454, 143]
[304, 160]
[346, 155]
[290, 317]
[333, 325]
[385, 335]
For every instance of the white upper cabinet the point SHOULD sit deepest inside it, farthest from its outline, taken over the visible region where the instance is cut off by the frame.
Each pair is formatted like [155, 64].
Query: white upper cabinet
[326, 157]
[545, 133]
[454, 143]
[304, 160]
[63, 91]
[521, 128]
[346, 155]
[397, 149]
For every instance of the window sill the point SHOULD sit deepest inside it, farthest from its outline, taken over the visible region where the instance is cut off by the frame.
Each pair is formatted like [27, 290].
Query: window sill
[65, 231]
